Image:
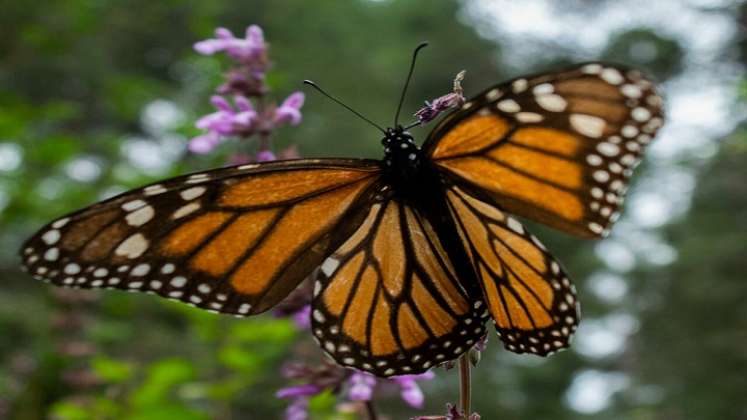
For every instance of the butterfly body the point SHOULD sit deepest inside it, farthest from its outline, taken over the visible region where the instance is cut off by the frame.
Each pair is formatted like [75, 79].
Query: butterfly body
[414, 180]
[402, 164]
[409, 256]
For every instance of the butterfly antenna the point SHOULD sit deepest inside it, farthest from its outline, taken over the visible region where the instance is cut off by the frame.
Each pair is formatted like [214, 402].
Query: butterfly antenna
[315, 86]
[407, 81]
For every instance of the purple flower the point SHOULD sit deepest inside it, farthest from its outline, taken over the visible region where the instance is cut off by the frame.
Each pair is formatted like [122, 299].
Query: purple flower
[298, 409]
[305, 390]
[251, 49]
[361, 386]
[227, 121]
[268, 156]
[289, 110]
[205, 143]
[410, 391]
[250, 82]
[302, 317]
[432, 109]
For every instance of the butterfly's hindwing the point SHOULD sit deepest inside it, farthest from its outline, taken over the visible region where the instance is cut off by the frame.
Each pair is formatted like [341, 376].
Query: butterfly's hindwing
[234, 240]
[558, 148]
[530, 298]
[388, 301]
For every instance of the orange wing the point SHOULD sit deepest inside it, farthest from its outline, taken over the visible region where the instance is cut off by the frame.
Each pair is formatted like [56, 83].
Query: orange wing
[556, 148]
[234, 240]
[388, 300]
[531, 300]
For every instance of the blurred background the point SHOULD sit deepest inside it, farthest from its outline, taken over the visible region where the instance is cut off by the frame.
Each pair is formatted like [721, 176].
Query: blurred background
[97, 97]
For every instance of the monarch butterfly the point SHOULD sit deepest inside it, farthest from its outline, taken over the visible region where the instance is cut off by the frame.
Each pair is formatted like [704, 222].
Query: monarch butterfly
[413, 254]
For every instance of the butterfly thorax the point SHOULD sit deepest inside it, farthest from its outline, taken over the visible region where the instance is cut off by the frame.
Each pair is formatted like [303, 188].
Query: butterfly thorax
[402, 163]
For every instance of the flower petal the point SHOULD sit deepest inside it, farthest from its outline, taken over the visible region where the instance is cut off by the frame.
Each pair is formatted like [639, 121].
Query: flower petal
[302, 317]
[243, 103]
[304, 390]
[244, 120]
[298, 409]
[221, 103]
[204, 144]
[361, 386]
[209, 46]
[223, 33]
[294, 100]
[255, 36]
[412, 394]
[289, 110]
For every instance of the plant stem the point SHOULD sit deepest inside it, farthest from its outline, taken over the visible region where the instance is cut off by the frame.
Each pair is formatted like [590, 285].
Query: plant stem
[464, 384]
[371, 410]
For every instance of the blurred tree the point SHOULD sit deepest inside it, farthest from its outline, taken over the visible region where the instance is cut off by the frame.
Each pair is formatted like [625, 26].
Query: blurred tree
[700, 321]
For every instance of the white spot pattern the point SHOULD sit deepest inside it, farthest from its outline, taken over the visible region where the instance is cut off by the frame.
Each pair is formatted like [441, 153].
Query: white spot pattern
[588, 125]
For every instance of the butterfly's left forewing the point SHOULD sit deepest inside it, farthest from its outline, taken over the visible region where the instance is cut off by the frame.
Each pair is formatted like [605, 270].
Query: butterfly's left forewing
[234, 240]
[389, 302]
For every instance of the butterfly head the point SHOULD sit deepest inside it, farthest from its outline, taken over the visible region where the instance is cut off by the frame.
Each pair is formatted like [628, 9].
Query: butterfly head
[402, 157]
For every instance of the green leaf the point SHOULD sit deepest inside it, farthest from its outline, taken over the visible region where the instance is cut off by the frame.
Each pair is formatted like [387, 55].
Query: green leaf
[112, 370]
[162, 376]
[67, 410]
[167, 412]
[322, 403]
[236, 357]
[263, 330]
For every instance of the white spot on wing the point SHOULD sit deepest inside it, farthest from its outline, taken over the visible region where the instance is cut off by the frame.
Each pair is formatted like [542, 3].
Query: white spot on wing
[132, 247]
[192, 193]
[591, 68]
[550, 102]
[608, 149]
[140, 216]
[318, 315]
[543, 89]
[631, 91]
[133, 205]
[185, 210]
[154, 190]
[178, 281]
[52, 254]
[601, 176]
[60, 223]
[508, 105]
[529, 117]
[493, 94]
[51, 236]
[612, 76]
[519, 85]
[140, 270]
[72, 268]
[515, 225]
[588, 125]
[594, 160]
[629, 131]
[330, 265]
[595, 227]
